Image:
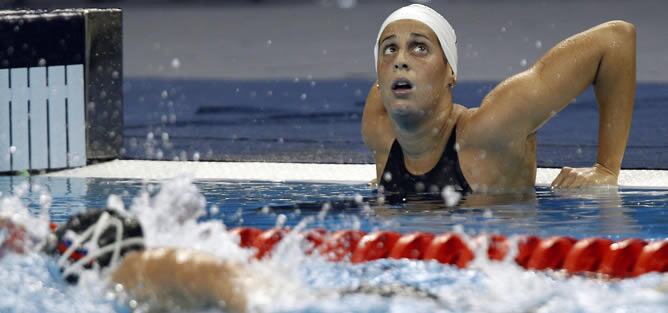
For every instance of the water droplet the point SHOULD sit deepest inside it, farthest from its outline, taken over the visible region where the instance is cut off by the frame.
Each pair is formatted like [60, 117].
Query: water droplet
[149, 136]
[523, 63]
[325, 209]
[503, 29]
[358, 198]
[176, 63]
[419, 187]
[45, 200]
[41, 62]
[164, 94]
[487, 214]
[165, 137]
[346, 4]
[12, 149]
[387, 177]
[539, 44]
[451, 196]
[269, 43]
[280, 220]
[303, 97]
[270, 93]
[196, 156]
[118, 288]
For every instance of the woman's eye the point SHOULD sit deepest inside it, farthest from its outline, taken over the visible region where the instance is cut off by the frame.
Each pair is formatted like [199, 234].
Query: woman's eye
[420, 49]
[389, 49]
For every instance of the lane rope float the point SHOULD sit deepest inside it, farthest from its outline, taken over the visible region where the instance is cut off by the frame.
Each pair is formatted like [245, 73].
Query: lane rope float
[601, 256]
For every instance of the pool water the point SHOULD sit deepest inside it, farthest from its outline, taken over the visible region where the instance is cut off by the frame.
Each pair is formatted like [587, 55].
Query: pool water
[182, 213]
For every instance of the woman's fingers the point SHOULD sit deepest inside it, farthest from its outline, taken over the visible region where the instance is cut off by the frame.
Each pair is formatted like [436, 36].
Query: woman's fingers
[558, 182]
[580, 181]
[582, 177]
[569, 180]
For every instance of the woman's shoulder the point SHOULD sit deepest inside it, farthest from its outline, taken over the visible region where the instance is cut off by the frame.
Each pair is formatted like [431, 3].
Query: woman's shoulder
[469, 131]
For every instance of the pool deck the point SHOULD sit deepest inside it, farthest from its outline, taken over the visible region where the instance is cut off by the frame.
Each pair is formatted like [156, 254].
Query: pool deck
[296, 172]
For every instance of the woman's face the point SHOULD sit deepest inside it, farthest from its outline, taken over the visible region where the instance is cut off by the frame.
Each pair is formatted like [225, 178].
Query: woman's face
[412, 71]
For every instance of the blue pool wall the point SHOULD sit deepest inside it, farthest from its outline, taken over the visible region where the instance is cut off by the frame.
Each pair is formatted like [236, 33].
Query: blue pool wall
[318, 121]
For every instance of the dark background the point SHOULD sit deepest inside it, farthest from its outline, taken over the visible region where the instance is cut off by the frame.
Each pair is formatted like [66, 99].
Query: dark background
[285, 80]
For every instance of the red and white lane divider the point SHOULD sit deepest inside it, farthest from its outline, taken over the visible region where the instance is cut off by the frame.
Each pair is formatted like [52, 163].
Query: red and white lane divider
[622, 259]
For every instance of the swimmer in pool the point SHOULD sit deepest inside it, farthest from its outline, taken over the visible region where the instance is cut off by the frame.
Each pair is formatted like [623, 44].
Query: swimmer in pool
[167, 279]
[422, 141]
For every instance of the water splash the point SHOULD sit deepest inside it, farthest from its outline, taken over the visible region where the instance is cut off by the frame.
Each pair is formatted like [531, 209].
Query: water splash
[169, 218]
[291, 280]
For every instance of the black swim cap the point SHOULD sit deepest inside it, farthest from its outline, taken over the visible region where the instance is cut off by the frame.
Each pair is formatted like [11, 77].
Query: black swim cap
[97, 239]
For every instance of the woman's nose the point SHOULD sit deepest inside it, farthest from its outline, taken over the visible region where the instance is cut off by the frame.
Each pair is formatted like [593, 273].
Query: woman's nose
[401, 65]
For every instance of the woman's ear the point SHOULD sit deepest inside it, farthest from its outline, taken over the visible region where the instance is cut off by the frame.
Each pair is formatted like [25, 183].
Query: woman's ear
[451, 79]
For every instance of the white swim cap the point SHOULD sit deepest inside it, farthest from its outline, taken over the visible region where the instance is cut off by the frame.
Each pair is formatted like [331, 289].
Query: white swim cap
[445, 33]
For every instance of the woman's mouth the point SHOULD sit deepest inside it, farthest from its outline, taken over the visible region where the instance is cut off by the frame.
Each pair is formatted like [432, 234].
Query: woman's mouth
[402, 87]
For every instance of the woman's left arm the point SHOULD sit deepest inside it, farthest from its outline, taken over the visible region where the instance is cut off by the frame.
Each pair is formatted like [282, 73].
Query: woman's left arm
[604, 56]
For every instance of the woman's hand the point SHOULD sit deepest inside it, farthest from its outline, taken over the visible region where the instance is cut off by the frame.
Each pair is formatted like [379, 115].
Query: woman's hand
[596, 175]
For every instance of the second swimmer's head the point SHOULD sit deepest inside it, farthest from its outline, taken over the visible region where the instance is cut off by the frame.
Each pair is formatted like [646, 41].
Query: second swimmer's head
[95, 239]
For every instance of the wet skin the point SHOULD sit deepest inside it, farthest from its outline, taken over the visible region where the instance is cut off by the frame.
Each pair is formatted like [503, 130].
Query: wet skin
[497, 141]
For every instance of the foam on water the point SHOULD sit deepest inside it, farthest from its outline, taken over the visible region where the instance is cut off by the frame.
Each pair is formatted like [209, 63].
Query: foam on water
[169, 219]
[30, 282]
[292, 281]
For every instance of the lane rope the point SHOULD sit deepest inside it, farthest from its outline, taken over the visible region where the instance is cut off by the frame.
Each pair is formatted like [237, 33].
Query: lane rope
[599, 256]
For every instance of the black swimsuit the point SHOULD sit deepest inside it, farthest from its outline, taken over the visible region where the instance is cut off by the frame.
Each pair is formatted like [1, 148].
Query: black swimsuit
[446, 172]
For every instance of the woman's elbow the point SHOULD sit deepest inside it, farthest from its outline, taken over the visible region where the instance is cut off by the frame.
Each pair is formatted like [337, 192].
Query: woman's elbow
[620, 29]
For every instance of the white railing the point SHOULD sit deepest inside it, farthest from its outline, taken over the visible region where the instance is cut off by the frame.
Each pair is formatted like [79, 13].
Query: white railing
[42, 118]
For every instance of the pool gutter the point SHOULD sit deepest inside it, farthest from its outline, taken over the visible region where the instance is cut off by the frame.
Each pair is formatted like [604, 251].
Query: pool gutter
[298, 172]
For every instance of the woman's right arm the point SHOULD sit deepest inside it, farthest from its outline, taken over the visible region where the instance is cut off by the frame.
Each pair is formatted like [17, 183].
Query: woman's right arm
[377, 130]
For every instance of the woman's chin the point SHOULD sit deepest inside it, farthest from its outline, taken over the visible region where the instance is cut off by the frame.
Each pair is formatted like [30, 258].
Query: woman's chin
[407, 117]
[405, 108]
